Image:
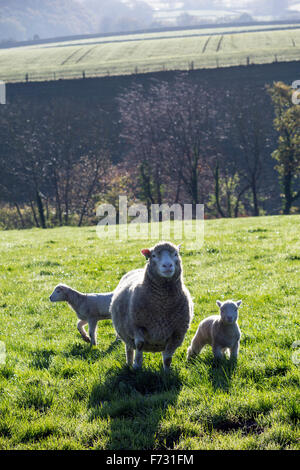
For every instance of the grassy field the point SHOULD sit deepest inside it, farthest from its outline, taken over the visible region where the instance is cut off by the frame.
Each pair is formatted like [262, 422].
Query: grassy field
[150, 52]
[57, 393]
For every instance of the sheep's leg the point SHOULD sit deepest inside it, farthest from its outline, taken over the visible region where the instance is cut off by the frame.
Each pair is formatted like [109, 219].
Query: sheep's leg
[80, 325]
[170, 349]
[138, 360]
[93, 331]
[139, 342]
[167, 359]
[129, 354]
[139, 339]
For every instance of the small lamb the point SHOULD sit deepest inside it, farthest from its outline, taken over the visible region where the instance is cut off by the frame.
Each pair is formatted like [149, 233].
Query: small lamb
[151, 308]
[220, 331]
[89, 308]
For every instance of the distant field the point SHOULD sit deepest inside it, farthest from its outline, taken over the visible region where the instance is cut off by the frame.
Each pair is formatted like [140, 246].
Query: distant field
[150, 52]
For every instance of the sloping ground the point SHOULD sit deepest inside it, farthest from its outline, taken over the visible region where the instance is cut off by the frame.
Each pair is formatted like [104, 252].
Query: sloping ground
[149, 52]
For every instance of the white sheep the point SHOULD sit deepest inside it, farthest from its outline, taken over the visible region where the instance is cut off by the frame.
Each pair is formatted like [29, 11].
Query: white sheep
[89, 308]
[220, 331]
[151, 308]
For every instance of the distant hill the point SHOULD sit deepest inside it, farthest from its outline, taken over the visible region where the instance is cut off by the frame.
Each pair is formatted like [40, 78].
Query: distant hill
[22, 20]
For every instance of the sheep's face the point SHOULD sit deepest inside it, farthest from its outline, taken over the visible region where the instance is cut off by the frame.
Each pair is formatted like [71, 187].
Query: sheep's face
[59, 294]
[164, 260]
[229, 310]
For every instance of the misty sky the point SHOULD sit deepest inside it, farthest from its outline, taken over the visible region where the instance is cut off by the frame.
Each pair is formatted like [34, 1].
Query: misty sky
[22, 20]
[162, 3]
[154, 3]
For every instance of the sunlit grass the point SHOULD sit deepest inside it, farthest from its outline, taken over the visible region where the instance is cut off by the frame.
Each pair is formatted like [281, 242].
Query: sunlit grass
[57, 393]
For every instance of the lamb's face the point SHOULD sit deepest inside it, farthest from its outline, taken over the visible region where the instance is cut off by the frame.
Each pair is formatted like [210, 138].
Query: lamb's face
[229, 310]
[59, 294]
[164, 260]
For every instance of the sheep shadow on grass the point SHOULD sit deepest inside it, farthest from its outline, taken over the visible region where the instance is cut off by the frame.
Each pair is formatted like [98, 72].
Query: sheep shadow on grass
[219, 372]
[135, 402]
[86, 352]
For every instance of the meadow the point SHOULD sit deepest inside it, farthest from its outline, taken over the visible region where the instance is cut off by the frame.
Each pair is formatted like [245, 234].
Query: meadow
[151, 52]
[58, 393]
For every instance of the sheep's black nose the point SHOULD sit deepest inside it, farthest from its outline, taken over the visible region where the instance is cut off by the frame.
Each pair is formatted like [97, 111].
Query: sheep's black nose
[170, 265]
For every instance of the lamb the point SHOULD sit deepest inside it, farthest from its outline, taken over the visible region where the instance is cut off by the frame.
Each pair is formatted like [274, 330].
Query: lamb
[89, 308]
[151, 308]
[220, 331]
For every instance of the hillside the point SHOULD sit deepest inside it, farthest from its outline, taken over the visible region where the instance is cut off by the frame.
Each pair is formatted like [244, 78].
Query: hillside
[149, 52]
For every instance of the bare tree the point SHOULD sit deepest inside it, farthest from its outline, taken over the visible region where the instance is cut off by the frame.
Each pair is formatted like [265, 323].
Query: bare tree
[252, 136]
[169, 130]
[53, 153]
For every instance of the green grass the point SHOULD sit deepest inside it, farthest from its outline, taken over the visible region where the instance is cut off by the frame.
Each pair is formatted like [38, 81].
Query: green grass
[149, 52]
[57, 393]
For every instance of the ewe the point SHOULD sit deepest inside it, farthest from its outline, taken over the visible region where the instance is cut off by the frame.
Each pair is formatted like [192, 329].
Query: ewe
[151, 308]
[89, 308]
[220, 331]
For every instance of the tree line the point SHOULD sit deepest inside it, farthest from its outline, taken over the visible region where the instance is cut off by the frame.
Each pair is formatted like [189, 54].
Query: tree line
[236, 150]
[53, 160]
[192, 143]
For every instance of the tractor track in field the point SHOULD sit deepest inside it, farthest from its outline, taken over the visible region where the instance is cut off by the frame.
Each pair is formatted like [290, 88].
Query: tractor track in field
[85, 54]
[206, 44]
[70, 56]
[220, 43]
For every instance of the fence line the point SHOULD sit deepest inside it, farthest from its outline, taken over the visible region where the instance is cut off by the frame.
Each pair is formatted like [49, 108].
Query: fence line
[137, 70]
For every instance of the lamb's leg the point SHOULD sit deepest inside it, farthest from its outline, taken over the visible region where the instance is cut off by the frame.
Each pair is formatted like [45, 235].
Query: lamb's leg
[80, 325]
[93, 331]
[129, 354]
[217, 352]
[196, 346]
[171, 346]
[234, 351]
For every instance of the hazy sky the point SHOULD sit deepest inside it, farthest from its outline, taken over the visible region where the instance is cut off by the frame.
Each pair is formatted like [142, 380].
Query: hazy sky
[229, 3]
[225, 2]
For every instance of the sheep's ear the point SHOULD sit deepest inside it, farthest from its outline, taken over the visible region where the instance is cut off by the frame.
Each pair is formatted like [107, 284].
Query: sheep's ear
[146, 252]
[219, 303]
[239, 303]
[179, 246]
